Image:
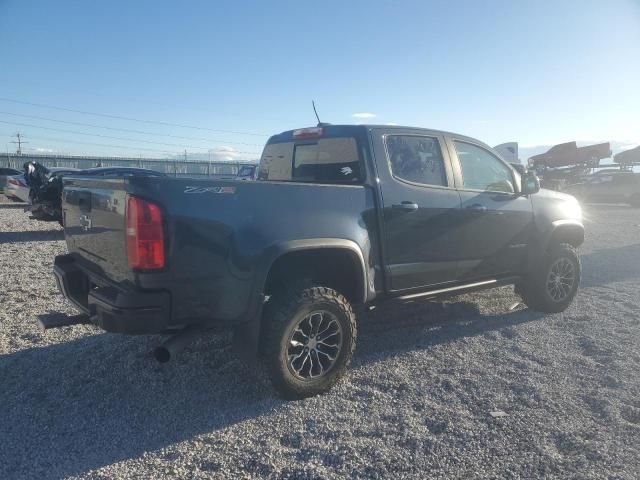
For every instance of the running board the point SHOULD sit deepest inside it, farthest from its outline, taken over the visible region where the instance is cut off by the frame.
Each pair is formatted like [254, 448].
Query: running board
[460, 288]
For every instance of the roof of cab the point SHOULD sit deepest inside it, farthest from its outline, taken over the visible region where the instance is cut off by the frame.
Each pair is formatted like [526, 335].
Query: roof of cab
[345, 129]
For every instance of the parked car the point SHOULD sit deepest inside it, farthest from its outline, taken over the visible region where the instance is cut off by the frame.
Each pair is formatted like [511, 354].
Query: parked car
[340, 218]
[247, 172]
[17, 189]
[4, 174]
[46, 185]
[610, 186]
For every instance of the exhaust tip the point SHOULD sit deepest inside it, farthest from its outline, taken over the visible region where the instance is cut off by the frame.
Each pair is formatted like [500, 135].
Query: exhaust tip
[162, 355]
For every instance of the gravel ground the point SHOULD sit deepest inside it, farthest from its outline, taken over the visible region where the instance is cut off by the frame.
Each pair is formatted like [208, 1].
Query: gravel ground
[78, 403]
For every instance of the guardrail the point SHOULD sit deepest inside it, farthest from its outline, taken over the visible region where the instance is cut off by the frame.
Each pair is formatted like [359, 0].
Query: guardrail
[167, 166]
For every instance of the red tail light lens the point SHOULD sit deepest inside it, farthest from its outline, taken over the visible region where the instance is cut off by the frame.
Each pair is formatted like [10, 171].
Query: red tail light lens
[313, 132]
[145, 235]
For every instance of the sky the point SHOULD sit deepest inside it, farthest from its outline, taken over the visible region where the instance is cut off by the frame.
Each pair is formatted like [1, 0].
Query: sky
[154, 78]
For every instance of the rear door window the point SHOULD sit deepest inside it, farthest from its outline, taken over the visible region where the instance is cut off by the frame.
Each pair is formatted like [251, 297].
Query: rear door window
[326, 160]
[416, 159]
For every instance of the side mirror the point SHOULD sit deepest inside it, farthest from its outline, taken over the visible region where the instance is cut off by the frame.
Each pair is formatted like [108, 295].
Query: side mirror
[530, 184]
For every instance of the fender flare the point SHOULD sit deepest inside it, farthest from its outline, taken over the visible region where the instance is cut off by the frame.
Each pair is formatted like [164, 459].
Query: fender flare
[246, 338]
[573, 228]
[275, 252]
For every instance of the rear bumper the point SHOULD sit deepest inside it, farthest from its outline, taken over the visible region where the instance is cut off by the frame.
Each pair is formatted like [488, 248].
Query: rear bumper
[110, 308]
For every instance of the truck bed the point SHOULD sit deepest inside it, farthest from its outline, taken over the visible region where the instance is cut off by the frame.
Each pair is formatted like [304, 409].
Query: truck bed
[220, 236]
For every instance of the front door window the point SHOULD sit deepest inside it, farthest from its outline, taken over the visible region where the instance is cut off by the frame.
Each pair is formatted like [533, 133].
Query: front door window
[482, 170]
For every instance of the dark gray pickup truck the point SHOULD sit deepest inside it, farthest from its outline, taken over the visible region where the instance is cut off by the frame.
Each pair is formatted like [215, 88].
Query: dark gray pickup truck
[340, 217]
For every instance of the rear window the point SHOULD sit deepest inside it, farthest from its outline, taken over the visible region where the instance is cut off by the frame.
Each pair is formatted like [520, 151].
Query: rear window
[326, 160]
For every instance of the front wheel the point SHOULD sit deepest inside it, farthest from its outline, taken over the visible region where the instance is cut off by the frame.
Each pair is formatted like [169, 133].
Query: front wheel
[553, 285]
[309, 340]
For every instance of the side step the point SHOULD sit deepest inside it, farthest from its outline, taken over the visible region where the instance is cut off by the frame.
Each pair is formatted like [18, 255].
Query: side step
[47, 322]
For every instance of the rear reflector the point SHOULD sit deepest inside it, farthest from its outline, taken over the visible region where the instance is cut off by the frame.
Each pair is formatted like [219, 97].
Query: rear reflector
[145, 234]
[312, 132]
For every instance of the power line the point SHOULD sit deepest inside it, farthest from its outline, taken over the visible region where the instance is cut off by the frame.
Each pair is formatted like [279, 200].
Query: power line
[115, 138]
[48, 139]
[166, 152]
[136, 98]
[129, 130]
[120, 117]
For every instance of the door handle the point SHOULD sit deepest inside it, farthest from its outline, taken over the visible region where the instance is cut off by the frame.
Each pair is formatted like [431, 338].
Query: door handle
[406, 205]
[476, 207]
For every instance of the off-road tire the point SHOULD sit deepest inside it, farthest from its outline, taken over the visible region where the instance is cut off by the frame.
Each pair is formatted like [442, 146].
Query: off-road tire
[283, 313]
[535, 291]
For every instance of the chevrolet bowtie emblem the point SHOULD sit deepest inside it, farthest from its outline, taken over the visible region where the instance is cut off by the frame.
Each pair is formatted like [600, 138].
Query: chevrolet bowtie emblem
[85, 222]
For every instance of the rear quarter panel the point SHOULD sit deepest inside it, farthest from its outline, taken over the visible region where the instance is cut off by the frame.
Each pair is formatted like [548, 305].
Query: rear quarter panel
[222, 236]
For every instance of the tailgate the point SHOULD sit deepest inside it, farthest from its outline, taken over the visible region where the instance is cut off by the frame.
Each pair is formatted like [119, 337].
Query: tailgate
[94, 222]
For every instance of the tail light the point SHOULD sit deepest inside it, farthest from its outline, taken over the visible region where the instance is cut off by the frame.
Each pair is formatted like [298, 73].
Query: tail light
[313, 132]
[17, 182]
[145, 235]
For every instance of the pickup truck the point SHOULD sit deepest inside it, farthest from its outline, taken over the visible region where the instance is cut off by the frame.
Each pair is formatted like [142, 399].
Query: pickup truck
[339, 219]
[567, 154]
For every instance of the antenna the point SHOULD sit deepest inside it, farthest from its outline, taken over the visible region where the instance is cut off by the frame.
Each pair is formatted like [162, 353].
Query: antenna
[316, 112]
[320, 124]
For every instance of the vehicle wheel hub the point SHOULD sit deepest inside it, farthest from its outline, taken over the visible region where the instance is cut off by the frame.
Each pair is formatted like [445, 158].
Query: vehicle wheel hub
[561, 279]
[314, 345]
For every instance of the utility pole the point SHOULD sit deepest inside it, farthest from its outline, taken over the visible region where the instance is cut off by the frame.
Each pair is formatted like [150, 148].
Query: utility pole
[185, 154]
[19, 142]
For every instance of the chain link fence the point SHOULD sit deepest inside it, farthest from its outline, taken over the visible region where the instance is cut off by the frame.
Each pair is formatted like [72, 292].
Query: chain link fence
[167, 166]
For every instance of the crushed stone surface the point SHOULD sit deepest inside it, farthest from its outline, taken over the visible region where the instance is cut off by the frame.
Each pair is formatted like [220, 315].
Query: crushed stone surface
[417, 402]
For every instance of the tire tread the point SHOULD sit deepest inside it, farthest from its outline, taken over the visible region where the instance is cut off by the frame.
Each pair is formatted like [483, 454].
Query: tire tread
[278, 314]
[532, 291]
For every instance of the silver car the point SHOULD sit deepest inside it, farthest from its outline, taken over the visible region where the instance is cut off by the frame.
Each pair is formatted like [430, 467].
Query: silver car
[17, 188]
[4, 174]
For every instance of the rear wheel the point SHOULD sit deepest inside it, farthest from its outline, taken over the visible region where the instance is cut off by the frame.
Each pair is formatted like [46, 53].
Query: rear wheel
[309, 340]
[553, 285]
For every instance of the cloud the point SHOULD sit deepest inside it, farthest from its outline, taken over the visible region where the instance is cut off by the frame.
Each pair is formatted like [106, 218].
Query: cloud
[217, 154]
[223, 153]
[364, 115]
[391, 124]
